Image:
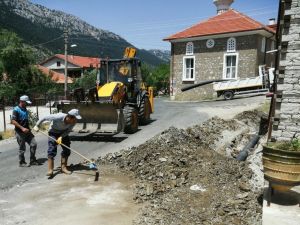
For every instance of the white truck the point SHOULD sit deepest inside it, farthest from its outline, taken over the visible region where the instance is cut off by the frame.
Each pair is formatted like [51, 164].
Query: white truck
[261, 83]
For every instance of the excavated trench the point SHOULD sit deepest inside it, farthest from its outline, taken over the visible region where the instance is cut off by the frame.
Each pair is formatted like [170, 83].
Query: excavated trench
[192, 177]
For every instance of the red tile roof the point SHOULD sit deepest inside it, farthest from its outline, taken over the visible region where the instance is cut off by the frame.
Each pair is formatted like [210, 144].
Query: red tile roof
[231, 21]
[81, 61]
[55, 76]
[273, 27]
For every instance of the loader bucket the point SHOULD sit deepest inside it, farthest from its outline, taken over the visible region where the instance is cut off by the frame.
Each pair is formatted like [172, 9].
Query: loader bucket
[97, 117]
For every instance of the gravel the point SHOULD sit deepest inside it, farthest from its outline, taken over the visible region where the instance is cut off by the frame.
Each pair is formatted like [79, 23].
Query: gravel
[191, 177]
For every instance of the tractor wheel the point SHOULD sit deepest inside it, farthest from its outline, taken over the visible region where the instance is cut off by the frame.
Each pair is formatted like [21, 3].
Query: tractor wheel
[228, 95]
[130, 119]
[144, 113]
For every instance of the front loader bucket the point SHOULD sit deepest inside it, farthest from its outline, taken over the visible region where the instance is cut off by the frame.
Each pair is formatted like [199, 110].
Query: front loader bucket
[96, 117]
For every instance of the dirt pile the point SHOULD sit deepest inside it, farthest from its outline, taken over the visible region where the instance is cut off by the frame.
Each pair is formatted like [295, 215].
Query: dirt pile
[185, 181]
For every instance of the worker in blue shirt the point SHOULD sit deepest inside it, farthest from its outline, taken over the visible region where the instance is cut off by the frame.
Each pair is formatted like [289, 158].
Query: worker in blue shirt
[60, 127]
[23, 133]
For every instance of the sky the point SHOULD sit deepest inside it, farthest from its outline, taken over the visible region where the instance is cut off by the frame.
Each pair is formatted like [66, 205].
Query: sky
[145, 23]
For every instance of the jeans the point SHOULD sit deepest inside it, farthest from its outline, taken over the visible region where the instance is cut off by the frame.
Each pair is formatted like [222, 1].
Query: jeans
[52, 146]
[22, 139]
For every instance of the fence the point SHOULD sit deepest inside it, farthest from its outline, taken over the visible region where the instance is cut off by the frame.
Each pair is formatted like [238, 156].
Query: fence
[41, 105]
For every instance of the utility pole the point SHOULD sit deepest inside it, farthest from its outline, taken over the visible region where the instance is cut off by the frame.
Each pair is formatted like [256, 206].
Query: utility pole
[66, 62]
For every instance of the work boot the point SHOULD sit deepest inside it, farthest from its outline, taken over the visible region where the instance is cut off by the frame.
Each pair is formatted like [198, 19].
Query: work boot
[64, 163]
[50, 167]
[34, 163]
[22, 163]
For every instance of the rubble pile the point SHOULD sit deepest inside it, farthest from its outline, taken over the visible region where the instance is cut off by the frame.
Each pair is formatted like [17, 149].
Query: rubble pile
[185, 181]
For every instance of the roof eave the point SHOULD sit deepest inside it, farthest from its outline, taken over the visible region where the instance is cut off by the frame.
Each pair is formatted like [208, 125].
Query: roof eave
[238, 33]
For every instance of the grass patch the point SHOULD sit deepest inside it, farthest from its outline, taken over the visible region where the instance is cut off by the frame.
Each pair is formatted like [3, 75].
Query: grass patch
[265, 107]
[286, 145]
[7, 134]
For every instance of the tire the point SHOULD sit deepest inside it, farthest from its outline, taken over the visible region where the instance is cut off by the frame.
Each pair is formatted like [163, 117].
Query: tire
[228, 95]
[145, 111]
[130, 120]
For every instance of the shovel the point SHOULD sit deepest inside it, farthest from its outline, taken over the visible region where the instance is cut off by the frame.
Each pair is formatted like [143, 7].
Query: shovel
[92, 165]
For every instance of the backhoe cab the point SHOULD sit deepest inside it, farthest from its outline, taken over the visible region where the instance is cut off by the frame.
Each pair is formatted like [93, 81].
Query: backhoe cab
[119, 102]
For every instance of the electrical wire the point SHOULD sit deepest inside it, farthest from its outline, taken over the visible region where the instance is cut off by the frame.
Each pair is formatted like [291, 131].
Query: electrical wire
[48, 41]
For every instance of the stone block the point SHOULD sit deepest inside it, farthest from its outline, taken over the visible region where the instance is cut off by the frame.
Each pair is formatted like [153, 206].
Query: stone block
[291, 80]
[287, 134]
[293, 128]
[285, 87]
[289, 108]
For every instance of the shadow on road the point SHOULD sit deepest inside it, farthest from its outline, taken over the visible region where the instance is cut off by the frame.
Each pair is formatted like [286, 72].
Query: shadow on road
[81, 169]
[98, 138]
[41, 161]
[288, 198]
[150, 121]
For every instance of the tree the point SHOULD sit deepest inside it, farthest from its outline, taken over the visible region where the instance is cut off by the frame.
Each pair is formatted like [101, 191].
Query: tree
[18, 75]
[159, 78]
[87, 81]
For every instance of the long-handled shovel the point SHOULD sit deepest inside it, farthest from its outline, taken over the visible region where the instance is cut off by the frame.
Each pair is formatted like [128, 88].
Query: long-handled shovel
[92, 165]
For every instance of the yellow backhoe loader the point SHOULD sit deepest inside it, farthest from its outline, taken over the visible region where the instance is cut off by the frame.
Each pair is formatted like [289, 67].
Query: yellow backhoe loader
[119, 102]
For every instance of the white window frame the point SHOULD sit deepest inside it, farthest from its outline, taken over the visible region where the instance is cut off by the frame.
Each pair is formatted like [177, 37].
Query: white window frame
[225, 65]
[184, 68]
[228, 41]
[189, 44]
[263, 44]
[272, 45]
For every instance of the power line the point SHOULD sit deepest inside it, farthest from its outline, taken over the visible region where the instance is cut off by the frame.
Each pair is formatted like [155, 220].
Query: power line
[48, 41]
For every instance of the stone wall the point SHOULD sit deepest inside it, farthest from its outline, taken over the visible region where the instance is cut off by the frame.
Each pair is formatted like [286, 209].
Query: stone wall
[209, 64]
[287, 115]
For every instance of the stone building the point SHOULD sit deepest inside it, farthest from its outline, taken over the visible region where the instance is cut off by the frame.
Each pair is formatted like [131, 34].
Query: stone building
[229, 45]
[287, 115]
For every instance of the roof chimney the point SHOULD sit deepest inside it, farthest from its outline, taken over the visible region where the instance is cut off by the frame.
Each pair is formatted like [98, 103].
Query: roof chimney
[272, 21]
[223, 5]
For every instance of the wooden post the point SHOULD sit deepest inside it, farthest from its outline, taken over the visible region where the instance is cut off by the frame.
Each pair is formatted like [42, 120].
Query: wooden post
[50, 106]
[4, 122]
[37, 110]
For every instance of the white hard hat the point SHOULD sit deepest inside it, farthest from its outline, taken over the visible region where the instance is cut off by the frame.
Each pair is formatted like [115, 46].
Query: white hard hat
[25, 98]
[75, 112]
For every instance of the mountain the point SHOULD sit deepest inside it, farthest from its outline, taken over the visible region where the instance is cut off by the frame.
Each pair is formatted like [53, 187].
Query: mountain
[164, 55]
[37, 25]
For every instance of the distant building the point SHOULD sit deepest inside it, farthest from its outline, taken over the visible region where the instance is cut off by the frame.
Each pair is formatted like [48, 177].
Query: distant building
[229, 45]
[76, 64]
[56, 77]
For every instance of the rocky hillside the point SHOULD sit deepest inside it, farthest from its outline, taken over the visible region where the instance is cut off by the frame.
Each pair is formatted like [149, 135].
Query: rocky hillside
[37, 24]
[164, 55]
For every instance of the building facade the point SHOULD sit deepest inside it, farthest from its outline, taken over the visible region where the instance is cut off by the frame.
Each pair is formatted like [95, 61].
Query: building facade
[227, 46]
[76, 64]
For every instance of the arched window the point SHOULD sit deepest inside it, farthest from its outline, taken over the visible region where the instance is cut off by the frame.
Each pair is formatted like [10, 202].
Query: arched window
[189, 48]
[231, 45]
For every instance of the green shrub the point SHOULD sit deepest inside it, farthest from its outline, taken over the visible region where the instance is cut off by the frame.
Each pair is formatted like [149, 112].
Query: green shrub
[293, 145]
[33, 118]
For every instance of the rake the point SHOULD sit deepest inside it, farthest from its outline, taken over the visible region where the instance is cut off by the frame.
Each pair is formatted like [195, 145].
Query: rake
[92, 164]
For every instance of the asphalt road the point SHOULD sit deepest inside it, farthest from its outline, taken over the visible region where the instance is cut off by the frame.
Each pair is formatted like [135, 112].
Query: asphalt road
[178, 114]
